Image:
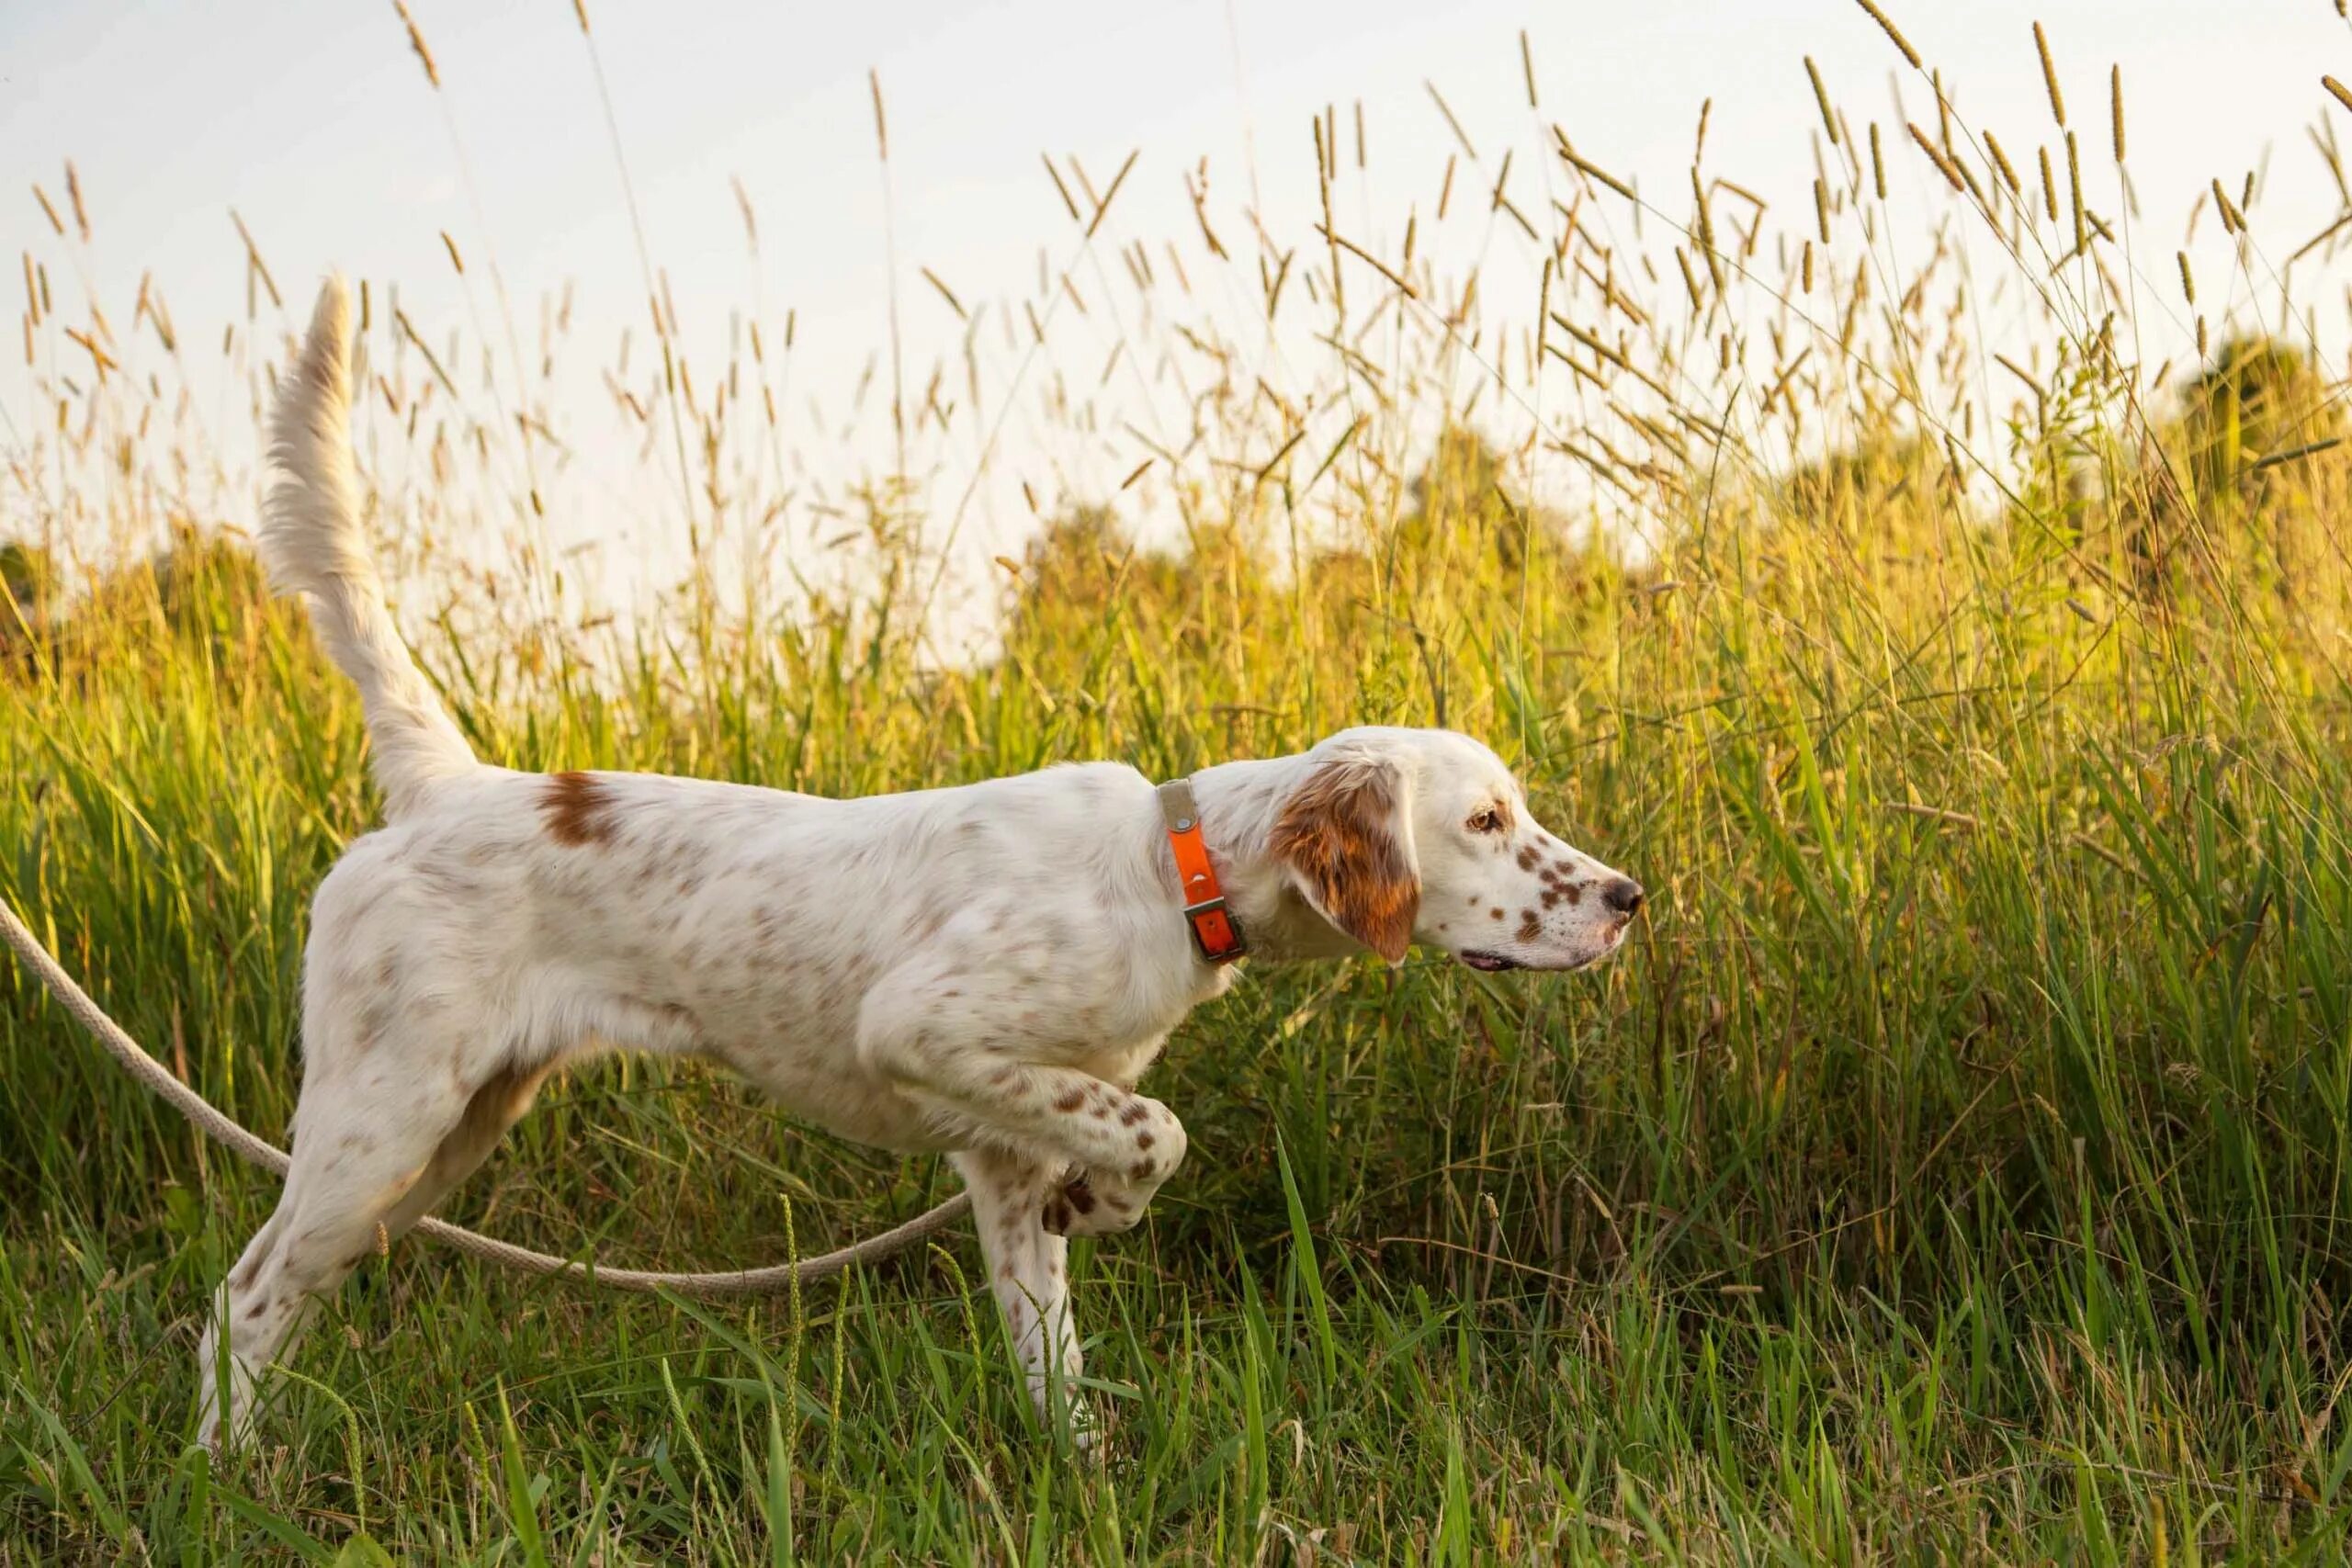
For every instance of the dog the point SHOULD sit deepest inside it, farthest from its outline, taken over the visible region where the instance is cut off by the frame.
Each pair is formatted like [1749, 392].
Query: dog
[983, 971]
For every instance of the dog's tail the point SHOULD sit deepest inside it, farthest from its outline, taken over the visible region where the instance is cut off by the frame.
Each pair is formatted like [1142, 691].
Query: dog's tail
[312, 543]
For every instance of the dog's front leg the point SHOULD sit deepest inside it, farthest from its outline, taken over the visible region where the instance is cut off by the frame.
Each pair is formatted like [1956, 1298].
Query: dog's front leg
[1029, 1273]
[961, 1047]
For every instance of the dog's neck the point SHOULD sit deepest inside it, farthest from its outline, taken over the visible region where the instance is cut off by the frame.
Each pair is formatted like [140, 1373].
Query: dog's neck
[1240, 803]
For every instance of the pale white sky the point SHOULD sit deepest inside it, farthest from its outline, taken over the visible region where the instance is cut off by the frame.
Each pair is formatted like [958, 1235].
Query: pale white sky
[316, 124]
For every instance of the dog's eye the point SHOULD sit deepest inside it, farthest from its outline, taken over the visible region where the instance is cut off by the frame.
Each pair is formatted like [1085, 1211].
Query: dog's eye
[1486, 822]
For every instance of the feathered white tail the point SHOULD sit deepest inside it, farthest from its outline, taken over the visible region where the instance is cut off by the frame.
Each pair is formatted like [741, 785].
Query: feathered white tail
[311, 542]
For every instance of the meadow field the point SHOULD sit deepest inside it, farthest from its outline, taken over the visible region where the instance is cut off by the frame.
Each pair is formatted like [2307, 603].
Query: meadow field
[1954, 1165]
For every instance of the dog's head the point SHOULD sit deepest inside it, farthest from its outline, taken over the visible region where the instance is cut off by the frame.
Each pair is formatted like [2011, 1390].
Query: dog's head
[1404, 836]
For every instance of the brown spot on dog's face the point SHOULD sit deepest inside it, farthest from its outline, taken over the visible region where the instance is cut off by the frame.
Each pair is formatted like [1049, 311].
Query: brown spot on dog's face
[1143, 1140]
[1527, 857]
[1530, 926]
[579, 810]
[1071, 1101]
[1573, 892]
[1134, 1113]
[1342, 833]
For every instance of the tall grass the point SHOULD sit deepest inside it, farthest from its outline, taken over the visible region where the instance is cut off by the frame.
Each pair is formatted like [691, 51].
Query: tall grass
[1955, 1166]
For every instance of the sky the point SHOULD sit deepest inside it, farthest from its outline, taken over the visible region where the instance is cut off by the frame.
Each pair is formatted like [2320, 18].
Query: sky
[315, 123]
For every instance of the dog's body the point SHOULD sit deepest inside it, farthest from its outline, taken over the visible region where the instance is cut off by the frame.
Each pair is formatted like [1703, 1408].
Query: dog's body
[765, 930]
[985, 971]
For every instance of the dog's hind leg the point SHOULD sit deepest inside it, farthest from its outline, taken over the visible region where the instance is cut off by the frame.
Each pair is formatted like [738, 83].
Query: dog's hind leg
[353, 1165]
[388, 1111]
[497, 1106]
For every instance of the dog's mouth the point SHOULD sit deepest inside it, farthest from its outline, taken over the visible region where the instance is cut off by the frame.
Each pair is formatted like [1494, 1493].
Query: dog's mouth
[1488, 963]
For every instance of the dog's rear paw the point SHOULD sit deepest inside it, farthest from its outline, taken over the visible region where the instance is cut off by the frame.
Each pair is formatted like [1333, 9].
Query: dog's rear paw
[1090, 1431]
[1077, 1420]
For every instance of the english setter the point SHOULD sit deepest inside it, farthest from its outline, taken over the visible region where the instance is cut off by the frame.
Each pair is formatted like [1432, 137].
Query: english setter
[984, 971]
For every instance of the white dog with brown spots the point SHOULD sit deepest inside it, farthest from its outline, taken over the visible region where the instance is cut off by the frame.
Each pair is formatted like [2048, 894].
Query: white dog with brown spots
[985, 971]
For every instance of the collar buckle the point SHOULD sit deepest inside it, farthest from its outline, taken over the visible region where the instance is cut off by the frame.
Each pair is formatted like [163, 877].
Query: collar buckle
[1217, 934]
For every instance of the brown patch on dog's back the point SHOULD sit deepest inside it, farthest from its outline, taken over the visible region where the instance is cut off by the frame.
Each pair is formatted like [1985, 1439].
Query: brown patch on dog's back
[579, 810]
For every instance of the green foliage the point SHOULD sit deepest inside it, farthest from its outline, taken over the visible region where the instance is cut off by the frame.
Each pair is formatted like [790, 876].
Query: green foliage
[1968, 1123]
[2258, 397]
[1955, 1167]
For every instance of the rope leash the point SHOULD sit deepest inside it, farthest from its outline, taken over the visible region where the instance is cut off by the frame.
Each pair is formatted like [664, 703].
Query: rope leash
[215, 1124]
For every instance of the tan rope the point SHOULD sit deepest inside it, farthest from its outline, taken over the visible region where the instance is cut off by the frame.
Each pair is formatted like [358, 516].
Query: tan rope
[211, 1120]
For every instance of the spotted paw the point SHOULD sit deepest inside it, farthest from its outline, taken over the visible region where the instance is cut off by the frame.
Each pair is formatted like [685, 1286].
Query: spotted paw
[1090, 1204]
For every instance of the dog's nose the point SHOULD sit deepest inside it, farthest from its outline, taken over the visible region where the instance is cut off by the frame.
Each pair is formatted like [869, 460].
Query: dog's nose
[1624, 895]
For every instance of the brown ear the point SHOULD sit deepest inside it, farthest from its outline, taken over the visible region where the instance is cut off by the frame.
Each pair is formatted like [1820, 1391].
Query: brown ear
[1344, 833]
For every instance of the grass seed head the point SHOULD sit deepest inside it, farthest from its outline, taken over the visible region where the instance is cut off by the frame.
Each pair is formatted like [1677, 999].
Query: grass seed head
[2050, 76]
[1821, 100]
[1886, 25]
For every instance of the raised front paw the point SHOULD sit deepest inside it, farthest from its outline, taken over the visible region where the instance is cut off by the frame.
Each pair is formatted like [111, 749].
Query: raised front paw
[1122, 1149]
[1090, 1204]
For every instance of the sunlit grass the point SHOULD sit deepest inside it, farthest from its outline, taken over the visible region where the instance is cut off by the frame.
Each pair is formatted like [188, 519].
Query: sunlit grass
[1954, 1167]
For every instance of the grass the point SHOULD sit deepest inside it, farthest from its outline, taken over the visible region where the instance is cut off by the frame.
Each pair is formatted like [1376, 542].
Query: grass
[1956, 1166]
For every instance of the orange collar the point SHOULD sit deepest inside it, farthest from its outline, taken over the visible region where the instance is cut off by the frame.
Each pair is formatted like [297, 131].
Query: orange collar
[1215, 932]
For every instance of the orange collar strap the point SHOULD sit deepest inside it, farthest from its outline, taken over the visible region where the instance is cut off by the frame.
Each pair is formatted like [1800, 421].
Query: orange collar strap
[1215, 932]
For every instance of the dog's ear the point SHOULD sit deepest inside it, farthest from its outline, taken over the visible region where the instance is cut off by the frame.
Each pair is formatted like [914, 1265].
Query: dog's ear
[1344, 835]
